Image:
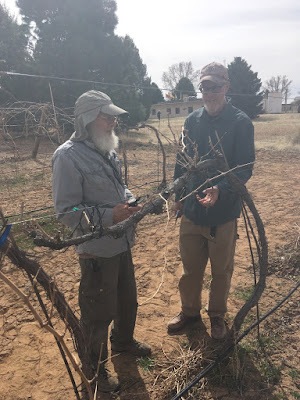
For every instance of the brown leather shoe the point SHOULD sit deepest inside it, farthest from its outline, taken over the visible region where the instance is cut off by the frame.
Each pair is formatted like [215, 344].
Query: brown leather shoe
[181, 321]
[218, 328]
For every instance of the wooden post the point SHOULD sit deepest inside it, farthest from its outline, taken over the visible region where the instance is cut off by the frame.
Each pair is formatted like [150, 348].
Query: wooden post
[124, 161]
[55, 117]
[38, 137]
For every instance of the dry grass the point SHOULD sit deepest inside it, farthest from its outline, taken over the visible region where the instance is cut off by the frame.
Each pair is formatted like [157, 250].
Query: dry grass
[177, 368]
[251, 369]
[272, 131]
[248, 370]
[278, 132]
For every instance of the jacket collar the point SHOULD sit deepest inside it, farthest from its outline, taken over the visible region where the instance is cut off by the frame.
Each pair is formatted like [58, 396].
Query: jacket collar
[226, 113]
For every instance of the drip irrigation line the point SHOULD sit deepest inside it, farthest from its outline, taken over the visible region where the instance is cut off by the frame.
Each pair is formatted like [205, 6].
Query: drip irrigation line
[226, 351]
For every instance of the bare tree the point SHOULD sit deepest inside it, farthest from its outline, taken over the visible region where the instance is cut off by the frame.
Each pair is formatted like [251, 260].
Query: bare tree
[184, 69]
[279, 83]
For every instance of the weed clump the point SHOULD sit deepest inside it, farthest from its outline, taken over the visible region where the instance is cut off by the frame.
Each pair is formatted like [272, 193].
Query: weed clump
[296, 138]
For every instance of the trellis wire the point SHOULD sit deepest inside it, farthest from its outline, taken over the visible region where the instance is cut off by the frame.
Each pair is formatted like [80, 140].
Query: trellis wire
[61, 213]
[113, 84]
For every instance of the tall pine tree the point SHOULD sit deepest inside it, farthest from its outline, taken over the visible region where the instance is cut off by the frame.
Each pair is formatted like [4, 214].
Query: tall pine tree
[13, 57]
[184, 87]
[245, 87]
[76, 39]
[150, 96]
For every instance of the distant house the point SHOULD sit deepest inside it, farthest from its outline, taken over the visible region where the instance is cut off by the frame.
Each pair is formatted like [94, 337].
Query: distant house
[176, 109]
[293, 107]
[272, 103]
[290, 108]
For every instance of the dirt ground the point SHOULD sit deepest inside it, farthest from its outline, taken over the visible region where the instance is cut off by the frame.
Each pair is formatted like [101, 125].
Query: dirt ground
[30, 364]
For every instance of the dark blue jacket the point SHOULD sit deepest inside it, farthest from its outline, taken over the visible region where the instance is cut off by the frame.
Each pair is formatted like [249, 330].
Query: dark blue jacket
[236, 133]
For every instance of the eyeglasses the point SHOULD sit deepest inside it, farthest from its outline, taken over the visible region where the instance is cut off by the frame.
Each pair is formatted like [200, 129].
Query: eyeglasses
[213, 89]
[108, 118]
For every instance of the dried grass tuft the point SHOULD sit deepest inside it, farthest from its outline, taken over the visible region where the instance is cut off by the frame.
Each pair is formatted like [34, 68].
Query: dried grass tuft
[286, 262]
[178, 368]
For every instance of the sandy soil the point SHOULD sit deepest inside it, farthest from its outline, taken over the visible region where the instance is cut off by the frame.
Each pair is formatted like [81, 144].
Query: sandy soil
[30, 364]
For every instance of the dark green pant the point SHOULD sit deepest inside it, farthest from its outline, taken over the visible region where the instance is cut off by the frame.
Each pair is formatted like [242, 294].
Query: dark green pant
[107, 293]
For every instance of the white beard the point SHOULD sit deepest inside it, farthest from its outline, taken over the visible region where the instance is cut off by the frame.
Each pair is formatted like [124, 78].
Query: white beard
[105, 142]
[213, 108]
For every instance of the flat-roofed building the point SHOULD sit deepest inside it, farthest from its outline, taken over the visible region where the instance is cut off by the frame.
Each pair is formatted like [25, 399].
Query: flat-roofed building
[174, 109]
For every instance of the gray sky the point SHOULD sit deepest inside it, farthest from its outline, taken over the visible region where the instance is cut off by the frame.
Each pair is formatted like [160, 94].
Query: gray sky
[266, 33]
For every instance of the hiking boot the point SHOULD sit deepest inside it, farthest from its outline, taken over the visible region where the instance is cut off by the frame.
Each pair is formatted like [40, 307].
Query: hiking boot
[218, 328]
[181, 321]
[107, 383]
[133, 347]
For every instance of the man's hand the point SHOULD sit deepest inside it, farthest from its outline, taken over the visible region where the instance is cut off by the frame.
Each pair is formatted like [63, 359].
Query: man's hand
[212, 195]
[178, 208]
[123, 211]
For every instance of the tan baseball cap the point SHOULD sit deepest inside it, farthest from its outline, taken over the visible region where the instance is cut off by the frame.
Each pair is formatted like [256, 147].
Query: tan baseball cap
[214, 72]
[94, 99]
[87, 108]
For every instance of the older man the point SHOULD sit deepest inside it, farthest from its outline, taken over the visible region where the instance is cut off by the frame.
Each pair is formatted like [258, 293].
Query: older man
[88, 191]
[208, 227]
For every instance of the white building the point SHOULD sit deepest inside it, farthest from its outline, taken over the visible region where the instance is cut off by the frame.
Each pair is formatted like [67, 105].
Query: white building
[273, 103]
[175, 109]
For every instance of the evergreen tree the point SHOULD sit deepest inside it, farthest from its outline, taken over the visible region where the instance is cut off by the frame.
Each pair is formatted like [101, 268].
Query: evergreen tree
[184, 87]
[69, 41]
[151, 95]
[124, 66]
[14, 56]
[244, 87]
[76, 39]
[156, 96]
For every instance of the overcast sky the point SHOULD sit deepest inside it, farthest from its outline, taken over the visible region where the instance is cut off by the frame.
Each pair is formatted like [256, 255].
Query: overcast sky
[266, 33]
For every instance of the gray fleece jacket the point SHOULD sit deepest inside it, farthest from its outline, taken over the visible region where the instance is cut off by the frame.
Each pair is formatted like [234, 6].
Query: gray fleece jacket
[84, 179]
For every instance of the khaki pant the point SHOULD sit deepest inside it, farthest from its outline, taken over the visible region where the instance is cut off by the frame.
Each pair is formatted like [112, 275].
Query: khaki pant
[107, 293]
[196, 247]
